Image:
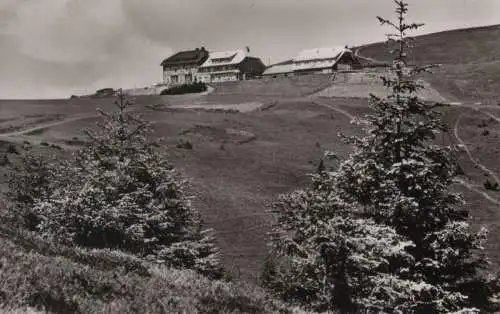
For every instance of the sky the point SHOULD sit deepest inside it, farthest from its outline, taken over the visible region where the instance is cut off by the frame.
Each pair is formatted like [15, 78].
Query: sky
[55, 48]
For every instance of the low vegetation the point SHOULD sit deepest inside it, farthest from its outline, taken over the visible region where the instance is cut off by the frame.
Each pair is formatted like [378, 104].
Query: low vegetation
[59, 279]
[196, 87]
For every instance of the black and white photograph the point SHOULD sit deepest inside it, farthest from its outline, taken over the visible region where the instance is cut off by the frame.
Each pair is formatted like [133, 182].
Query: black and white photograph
[249, 156]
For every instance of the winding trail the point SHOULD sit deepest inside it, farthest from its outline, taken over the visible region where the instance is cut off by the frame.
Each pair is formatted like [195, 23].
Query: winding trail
[469, 154]
[475, 189]
[49, 125]
[457, 180]
[318, 102]
[489, 115]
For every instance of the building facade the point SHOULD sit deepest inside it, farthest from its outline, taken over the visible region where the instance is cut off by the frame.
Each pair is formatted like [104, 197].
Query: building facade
[317, 60]
[234, 65]
[325, 60]
[182, 67]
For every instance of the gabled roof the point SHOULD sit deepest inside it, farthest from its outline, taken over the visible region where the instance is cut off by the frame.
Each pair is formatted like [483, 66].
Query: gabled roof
[321, 58]
[196, 56]
[280, 67]
[319, 54]
[282, 63]
[230, 57]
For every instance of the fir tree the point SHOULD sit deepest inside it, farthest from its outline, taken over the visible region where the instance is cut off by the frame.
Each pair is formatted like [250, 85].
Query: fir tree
[402, 177]
[122, 193]
[383, 233]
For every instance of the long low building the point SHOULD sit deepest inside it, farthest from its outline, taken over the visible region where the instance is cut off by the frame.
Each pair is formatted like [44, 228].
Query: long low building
[284, 68]
[231, 65]
[317, 60]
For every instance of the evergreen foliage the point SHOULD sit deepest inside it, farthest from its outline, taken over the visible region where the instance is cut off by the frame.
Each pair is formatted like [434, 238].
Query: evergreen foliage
[383, 233]
[32, 178]
[120, 192]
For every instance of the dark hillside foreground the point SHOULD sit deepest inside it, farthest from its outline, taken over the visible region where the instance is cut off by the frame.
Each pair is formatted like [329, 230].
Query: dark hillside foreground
[57, 279]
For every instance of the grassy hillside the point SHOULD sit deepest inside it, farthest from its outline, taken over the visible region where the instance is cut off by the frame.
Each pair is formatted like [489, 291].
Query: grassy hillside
[57, 279]
[470, 61]
[239, 162]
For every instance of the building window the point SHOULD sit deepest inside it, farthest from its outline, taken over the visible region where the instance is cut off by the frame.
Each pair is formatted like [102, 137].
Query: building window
[174, 79]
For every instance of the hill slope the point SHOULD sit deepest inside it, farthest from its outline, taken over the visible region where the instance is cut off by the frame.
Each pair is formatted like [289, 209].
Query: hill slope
[58, 279]
[470, 60]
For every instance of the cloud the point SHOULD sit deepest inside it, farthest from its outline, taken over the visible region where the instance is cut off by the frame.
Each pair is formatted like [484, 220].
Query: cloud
[52, 48]
[55, 47]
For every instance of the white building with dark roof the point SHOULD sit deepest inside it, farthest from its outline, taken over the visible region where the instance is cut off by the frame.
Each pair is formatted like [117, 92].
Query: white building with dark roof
[182, 67]
[324, 60]
[233, 65]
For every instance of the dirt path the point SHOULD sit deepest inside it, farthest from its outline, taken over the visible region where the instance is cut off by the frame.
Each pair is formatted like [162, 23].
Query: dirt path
[471, 187]
[319, 102]
[460, 181]
[48, 125]
[489, 115]
[467, 151]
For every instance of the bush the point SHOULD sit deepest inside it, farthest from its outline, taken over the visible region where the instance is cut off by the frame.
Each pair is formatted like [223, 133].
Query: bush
[493, 186]
[4, 160]
[196, 87]
[33, 178]
[184, 144]
[11, 149]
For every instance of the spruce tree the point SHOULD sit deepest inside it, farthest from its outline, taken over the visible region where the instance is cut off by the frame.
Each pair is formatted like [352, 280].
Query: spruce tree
[120, 192]
[383, 233]
[402, 177]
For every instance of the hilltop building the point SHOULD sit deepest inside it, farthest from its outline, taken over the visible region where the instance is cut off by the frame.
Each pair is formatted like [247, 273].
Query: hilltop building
[182, 67]
[317, 60]
[325, 60]
[231, 65]
[280, 69]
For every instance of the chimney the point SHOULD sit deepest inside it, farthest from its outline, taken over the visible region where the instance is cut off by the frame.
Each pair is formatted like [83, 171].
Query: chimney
[197, 49]
[202, 48]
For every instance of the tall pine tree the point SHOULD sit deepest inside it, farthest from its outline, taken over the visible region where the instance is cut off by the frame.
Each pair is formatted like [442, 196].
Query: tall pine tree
[383, 233]
[402, 177]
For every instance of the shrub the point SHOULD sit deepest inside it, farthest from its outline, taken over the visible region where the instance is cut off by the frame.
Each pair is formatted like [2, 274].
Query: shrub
[184, 144]
[11, 149]
[32, 178]
[196, 87]
[4, 160]
[493, 186]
